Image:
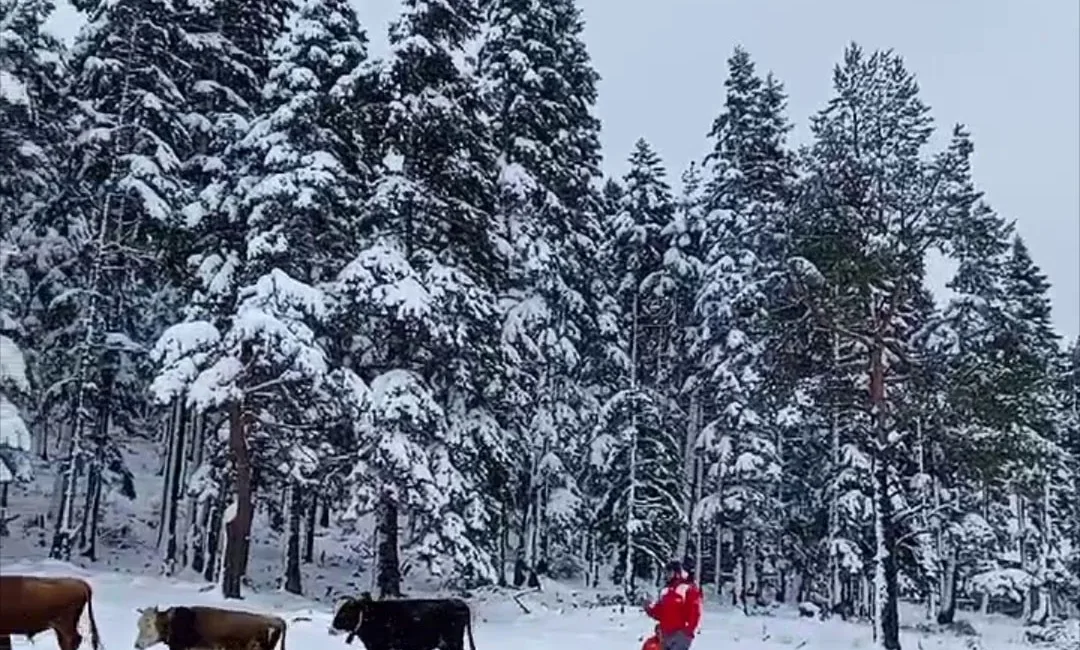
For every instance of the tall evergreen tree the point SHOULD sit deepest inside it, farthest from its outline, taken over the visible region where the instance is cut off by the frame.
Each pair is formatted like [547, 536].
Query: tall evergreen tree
[14, 388]
[878, 204]
[31, 79]
[541, 89]
[124, 185]
[31, 111]
[638, 449]
[294, 189]
[748, 180]
[426, 278]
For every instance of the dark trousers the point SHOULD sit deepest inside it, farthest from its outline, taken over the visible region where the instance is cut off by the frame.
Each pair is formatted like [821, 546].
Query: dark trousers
[677, 641]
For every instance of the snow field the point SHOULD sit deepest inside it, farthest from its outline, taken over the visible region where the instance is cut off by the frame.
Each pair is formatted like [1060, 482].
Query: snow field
[499, 622]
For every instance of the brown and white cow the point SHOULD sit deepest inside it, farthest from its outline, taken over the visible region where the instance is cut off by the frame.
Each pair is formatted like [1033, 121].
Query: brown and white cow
[29, 605]
[208, 628]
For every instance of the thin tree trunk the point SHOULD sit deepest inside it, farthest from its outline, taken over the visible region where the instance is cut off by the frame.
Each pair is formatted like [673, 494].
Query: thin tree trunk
[216, 517]
[631, 493]
[197, 512]
[699, 544]
[504, 524]
[92, 476]
[689, 466]
[90, 548]
[886, 583]
[175, 481]
[238, 528]
[311, 514]
[171, 423]
[389, 570]
[324, 518]
[834, 508]
[718, 562]
[292, 547]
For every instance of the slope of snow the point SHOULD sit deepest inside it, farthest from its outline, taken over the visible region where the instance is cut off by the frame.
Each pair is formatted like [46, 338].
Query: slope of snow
[499, 622]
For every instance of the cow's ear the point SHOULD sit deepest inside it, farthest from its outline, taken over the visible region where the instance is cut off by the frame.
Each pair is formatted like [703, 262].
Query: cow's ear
[365, 597]
[140, 610]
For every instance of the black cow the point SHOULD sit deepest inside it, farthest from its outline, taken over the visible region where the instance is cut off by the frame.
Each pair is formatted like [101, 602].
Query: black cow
[405, 624]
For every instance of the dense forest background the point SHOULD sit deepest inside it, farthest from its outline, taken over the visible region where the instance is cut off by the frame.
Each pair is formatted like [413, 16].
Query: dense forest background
[333, 289]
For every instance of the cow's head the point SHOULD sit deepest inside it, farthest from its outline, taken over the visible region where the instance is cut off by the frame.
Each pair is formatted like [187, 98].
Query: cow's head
[151, 627]
[349, 615]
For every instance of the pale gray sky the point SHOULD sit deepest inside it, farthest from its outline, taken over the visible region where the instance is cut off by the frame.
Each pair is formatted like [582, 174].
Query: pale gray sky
[1009, 69]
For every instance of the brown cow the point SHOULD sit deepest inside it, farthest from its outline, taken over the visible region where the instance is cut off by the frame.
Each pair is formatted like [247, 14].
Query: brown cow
[208, 628]
[29, 605]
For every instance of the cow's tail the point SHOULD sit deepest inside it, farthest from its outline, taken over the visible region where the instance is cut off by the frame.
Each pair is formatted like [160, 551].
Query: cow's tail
[95, 638]
[284, 628]
[468, 629]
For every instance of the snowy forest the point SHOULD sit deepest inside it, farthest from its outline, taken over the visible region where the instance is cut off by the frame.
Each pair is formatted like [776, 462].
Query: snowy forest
[333, 289]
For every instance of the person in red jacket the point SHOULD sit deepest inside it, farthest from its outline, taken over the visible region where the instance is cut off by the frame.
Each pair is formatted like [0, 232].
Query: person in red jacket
[678, 610]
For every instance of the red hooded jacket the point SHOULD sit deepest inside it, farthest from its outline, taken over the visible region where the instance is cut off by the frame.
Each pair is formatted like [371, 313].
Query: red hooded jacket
[679, 607]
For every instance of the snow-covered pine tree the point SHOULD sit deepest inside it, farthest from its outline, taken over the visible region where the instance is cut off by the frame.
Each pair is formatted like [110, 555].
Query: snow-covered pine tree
[123, 182]
[747, 181]
[30, 128]
[948, 456]
[992, 430]
[292, 196]
[1042, 473]
[879, 202]
[637, 449]
[541, 89]
[15, 445]
[684, 265]
[31, 78]
[422, 294]
[1069, 389]
[226, 54]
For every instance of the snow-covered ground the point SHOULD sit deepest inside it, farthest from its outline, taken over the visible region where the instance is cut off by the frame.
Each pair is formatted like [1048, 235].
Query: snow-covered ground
[125, 577]
[500, 622]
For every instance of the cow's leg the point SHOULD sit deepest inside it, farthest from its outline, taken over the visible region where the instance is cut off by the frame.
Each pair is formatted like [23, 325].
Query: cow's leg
[453, 640]
[68, 638]
[272, 640]
[5, 642]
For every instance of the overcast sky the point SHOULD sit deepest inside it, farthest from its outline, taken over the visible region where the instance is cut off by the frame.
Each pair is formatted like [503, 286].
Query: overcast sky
[1008, 69]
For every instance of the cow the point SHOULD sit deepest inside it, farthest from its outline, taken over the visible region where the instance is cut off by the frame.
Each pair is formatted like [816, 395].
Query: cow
[413, 624]
[29, 605]
[208, 628]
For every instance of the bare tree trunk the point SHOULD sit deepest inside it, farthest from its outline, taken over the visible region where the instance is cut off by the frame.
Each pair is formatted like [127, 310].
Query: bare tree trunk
[886, 579]
[699, 538]
[834, 509]
[389, 569]
[216, 516]
[718, 561]
[292, 548]
[504, 525]
[689, 466]
[170, 423]
[947, 610]
[238, 528]
[324, 516]
[92, 477]
[90, 549]
[197, 512]
[311, 512]
[174, 480]
[631, 493]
